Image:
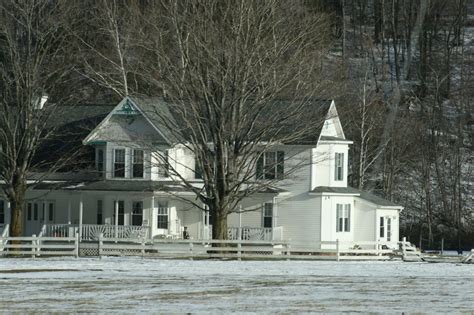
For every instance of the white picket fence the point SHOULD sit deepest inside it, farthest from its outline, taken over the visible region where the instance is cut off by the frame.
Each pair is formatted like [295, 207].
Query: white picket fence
[36, 246]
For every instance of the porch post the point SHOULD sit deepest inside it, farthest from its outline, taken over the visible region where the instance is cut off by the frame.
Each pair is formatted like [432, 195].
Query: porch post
[239, 235]
[274, 217]
[69, 210]
[151, 215]
[8, 215]
[116, 216]
[81, 209]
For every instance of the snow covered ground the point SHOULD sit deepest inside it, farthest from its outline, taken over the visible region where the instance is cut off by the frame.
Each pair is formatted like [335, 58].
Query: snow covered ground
[136, 285]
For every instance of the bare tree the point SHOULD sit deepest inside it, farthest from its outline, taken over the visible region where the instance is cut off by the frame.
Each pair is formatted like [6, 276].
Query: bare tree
[240, 78]
[32, 50]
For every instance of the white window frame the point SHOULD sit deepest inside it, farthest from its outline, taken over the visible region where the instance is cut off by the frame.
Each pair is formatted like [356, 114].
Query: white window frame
[343, 217]
[124, 162]
[382, 227]
[265, 214]
[164, 212]
[275, 169]
[163, 164]
[339, 166]
[100, 163]
[134, 214]
[132, 165]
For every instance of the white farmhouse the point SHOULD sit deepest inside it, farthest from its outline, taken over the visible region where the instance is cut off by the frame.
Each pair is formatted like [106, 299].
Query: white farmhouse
[130, 193]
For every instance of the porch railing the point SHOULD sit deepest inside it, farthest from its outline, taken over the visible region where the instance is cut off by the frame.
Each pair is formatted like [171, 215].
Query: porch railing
[255, 233]
[91, 232]
[4, 233]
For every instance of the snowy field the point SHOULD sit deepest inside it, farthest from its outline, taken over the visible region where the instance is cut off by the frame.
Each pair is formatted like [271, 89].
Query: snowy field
[136, 285]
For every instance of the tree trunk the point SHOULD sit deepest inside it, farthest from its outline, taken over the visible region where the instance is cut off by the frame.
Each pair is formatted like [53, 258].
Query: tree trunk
[16, 227]
[219, 226]
[16, 199]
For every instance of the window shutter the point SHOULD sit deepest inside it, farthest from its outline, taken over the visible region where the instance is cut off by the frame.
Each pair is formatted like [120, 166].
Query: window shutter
[338, 217]
[341, 165]
[280, 164]
[348, 216]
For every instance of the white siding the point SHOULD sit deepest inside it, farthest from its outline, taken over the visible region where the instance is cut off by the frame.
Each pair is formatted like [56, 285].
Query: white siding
[364, 221]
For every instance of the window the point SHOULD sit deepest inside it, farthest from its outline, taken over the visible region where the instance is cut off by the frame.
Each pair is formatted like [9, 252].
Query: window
[35, 211]
[268, 215]
[163, 167]
[100, 160]
[389, 229]
[29, 211]
[121, 212]
[137, 213]
[382, 227]
[137, 164]
[270, 165]
[2, 212]
[197, 169]
[339, 166]
[100, 211]
[207, 216]
[162, 216]
[50, 212]
[119, 163]
[343, 218]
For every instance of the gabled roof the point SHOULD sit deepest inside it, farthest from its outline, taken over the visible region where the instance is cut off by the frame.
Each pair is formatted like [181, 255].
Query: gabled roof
[156, 109]
[159, 113]
[129, 107]
[356, 192]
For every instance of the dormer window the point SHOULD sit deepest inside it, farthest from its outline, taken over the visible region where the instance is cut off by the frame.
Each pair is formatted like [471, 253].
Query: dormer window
[163, 166]
[137, 164]
[270, 165]
[119, 163]
[100, 160]
[339, 167]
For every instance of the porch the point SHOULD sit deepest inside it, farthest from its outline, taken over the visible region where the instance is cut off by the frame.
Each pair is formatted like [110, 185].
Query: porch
[91, 232]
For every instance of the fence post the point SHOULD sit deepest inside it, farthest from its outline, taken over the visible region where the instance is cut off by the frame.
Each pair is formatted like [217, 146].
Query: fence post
[143, 246]
[239, 250]
[404, 239]
[377, 247]
[101, 244]
[191, 250]
[288, 249]
[33, 246]
[337, 250]
[76, 242]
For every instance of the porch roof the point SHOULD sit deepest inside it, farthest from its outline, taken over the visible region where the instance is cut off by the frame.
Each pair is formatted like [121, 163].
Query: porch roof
[93, 184]
[127, 185]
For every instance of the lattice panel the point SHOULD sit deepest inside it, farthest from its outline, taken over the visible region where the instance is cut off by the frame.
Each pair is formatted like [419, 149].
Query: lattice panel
[89, 252]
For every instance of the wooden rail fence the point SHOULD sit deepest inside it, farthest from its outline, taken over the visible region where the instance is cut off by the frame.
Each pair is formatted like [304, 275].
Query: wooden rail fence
[35, 246]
